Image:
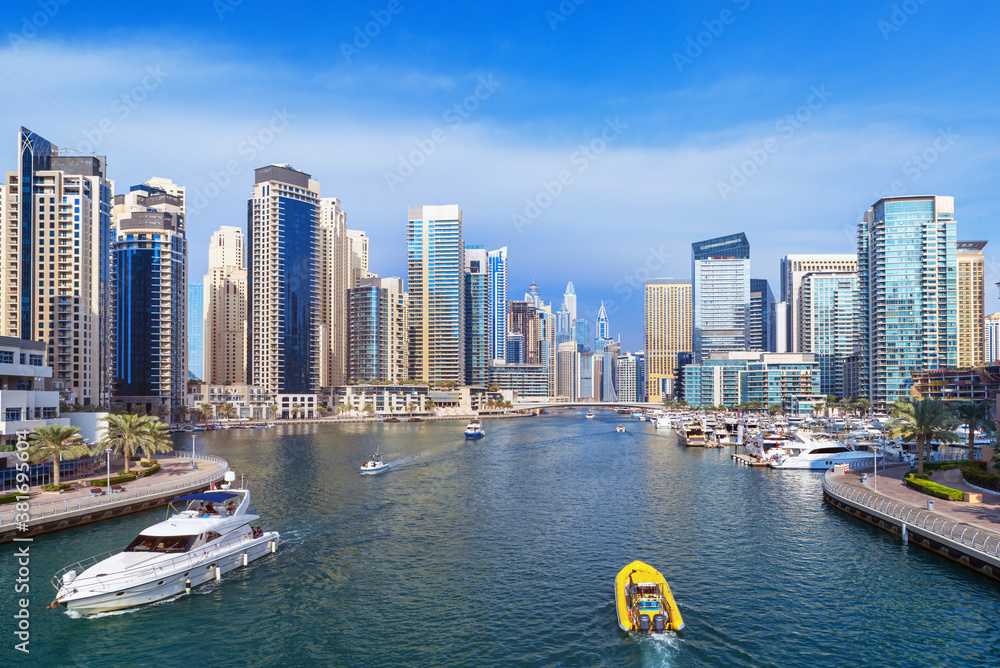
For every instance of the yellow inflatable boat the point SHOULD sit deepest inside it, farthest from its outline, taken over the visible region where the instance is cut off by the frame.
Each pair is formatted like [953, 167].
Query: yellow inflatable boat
[643, 600]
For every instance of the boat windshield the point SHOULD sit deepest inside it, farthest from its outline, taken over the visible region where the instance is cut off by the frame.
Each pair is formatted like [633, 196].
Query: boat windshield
[649, 605]
[161, 544]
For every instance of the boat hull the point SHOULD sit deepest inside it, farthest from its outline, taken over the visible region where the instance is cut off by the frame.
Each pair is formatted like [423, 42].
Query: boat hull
[475, 435]
[374, 469]
[823, 464]
[643, 573]
[162, 586]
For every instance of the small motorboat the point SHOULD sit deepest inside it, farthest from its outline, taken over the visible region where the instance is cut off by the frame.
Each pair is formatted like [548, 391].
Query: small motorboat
[643, 601]
[376, 464]
[620, 429]
[193, 546]
[474, 430]
[590, 415]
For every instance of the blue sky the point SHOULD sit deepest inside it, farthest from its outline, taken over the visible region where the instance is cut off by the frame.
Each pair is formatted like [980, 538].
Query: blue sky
[596, 140]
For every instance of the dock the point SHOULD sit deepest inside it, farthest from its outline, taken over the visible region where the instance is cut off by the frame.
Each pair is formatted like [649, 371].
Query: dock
[747, 460]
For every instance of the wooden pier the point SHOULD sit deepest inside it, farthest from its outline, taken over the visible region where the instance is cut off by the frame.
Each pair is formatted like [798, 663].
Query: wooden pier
[747, 460]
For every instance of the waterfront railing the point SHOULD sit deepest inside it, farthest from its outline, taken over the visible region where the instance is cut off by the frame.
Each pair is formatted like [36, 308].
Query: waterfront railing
[184, 482]
[980, 540]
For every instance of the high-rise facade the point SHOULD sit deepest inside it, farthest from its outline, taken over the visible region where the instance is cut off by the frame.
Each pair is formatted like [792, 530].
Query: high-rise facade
[524, 320]
[793, 269]
[55, 287]
[762, 305]
[566, 370]
[337, 270]
[497, 282]
[603, 326]
[721, 295]
[196, 331]
[436, 263]
[225, 308]
[627, 378]
[282, 220]
[377, 330]
[667, 306]
[828, 322]
[992, 344]
[149, 285]
[477, 316]
[907, 287]
[569, 299]
[971, 302]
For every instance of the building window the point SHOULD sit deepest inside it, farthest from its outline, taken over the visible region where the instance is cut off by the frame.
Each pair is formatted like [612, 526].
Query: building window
[36, 360]
[6, 357]
[12, 414]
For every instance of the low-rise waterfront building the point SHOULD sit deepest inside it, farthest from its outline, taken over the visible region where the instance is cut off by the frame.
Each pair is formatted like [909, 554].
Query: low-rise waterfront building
[27, 399]
[731, 378]
[528, 380]
[250, 402]
[957, 385]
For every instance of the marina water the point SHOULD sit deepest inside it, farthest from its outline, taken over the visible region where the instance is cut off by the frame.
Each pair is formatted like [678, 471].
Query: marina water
[503, 552]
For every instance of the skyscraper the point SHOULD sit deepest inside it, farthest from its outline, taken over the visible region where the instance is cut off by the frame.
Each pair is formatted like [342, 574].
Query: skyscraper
[666, 331]
[569, 299]
[721, 295]
[477, 316]
[436, 260]
[971, 302]
[524, 320]
[793, 269]
[225, 308]
[827, 325]
[337, 270]
[603, 328]
[367, 338]
[992, 348]
[56, 274]
[282, 219]
[907, 283]
[564, 326]
[497, 281]
[762, 306]
[149, 284]
[358, 255]
[196, 330]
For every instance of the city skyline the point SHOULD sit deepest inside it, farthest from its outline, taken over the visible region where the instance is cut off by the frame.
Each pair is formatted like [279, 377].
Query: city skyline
[522, 118]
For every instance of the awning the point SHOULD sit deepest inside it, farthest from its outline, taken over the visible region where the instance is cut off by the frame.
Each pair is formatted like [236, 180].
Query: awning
[214, 497]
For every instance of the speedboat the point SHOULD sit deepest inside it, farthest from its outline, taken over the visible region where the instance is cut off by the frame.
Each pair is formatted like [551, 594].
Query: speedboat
[376, 464]
[643, 600]
[692, 434]
[801, 452]
[474, 430]
[620, 429]
[211, 536]
[590, 415]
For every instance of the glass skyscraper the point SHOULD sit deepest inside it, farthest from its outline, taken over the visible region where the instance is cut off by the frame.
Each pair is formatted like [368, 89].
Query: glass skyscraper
[828, 319]
[720, 277]
[907, 286]
[477, 316]
[196, 330]
[497, 282]
[762, 332]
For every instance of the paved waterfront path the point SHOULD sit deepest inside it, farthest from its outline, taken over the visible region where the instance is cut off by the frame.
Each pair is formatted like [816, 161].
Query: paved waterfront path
[984, 515]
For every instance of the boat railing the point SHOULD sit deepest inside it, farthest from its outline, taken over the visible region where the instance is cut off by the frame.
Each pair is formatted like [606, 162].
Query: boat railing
[979, 540]
[176, 563]
[110, 496]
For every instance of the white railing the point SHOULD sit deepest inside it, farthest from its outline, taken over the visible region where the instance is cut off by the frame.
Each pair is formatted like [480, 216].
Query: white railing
[980, 540]
[53, 508]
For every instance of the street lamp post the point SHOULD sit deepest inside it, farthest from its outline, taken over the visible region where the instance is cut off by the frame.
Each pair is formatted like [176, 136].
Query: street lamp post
[108, 452]
[192, 451]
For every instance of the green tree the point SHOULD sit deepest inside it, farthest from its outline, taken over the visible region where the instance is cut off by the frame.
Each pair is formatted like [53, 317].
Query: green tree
[368, 409]
[975, 415]
[774, 409]
[227, 410]
[182, 412]
[207, 411]
[56, 442]
[924, 421]
[410, 407]
[129, 434]
[343, 407]
[863, 406]
[429, 404]
[296, 410]
[322, 409]
[273, 410]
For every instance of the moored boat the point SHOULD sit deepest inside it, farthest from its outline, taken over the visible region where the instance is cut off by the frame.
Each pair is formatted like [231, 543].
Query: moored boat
[644, 602]
[190, 548]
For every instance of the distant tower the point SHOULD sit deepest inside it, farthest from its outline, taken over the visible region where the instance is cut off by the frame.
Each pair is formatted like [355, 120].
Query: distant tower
[971, 302]
[569, 299]
[497, 285]
[603, 330]
[721, 295]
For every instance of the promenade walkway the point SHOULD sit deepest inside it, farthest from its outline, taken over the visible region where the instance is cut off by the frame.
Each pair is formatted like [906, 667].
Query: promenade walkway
[53, 511]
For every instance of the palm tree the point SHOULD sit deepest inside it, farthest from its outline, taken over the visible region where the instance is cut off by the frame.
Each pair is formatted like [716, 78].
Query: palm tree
[774, 409]
[862, 405]
[322, 410]
[925, 420]
[273, 410]
[227, 410]
[429, 405]
[128, 434]
[343, 407]
[974, 414]
[57, 442]
[368, 409]
[206, 410]
[182, 412]
[410, 407]
[296, 410]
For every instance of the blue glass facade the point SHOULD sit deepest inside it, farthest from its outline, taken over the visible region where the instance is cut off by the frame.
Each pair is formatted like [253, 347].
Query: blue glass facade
[720, 277]
[35, 155]
[367, 325]
[297, 254]
[137, 316]
[829, 319]
[477, 316]
[497, 282]
[196, 331]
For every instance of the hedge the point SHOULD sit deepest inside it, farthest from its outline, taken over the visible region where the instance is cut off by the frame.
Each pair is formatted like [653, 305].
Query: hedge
[114, 481]
[10, 498]
[934, 489]
[149, 472]
[977, 475]
[54, 488]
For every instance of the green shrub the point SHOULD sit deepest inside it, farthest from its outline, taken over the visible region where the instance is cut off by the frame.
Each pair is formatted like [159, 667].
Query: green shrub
[149, 472]
[57, 488]
[940, 466]
[151, 462]
[975, 474]
[933, 488]
[10, 498]
[114, 481]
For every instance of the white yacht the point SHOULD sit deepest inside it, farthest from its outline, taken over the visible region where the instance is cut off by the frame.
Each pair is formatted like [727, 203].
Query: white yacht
[376, 464]
[664, 422]
[590, 415]
[620, 429]
[210, 537]
[801, 452]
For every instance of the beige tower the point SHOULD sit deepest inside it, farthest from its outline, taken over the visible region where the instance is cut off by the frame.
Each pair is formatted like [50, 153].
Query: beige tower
[667, 305]
[334, 277]
[358, 257]
[225, 308]
[971, 302]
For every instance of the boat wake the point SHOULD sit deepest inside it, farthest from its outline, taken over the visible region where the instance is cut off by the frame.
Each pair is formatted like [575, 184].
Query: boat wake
[663, 647]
